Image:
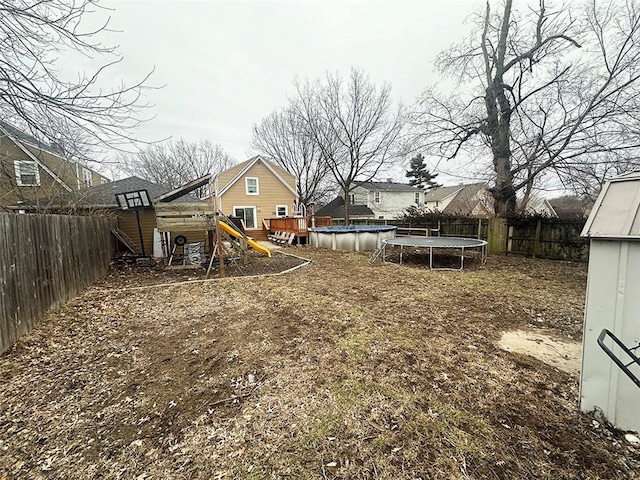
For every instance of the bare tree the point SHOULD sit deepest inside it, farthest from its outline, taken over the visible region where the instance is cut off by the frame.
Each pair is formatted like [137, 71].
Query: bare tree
[354, 124]
[283, 137]
[542, 93]
[175, 163]
[35, 96]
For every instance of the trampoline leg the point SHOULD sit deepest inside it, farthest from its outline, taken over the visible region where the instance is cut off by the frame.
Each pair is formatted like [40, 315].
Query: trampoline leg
[462, 259]
[431, 258]
[400, 254]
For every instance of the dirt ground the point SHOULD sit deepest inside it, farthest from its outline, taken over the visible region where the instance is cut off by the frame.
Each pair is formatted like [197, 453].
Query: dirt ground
[340, 369]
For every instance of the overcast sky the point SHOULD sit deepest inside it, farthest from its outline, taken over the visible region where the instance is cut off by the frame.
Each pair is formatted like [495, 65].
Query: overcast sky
[227, 65]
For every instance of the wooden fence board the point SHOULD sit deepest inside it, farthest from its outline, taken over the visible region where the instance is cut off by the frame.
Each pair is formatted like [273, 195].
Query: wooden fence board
[44, 261]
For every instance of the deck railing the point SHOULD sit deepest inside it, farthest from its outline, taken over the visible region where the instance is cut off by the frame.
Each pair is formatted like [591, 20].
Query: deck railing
[297, 225]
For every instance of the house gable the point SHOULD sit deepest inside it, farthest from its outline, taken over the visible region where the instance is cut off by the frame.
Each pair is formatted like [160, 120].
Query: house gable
[55, 174]
[270, 187]
[230, 177]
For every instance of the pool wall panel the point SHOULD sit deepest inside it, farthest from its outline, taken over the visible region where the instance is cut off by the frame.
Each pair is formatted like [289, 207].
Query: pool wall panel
[350, 241]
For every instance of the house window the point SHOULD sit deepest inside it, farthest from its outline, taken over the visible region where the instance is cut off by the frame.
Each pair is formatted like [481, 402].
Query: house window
[282, 210]
[376, 197]
[248, 215]
[27, 173]
[87, 177]
[352, 199]
[252, 187]
[380, 217]
[417, 198]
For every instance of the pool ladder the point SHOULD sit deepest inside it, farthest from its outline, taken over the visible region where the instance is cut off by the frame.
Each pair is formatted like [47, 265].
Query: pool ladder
[377, 252]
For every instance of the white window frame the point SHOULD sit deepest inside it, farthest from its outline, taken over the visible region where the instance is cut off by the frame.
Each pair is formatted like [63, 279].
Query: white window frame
[255, 215]
[16, 166]
[416, 197]
[286, 211]
[246, 185]
[377, 197]
[352, 199]
[87, 177]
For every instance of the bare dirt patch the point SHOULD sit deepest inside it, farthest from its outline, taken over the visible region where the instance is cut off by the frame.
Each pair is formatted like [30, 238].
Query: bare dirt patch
[337, 370]
[561, 354]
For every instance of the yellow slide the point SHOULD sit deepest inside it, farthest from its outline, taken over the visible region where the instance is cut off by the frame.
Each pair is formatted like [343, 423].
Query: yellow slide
[252, 243]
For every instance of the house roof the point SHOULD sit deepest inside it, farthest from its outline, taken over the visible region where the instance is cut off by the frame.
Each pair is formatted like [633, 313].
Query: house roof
[335, 209]
[568, 207]
[388, 187]
[464, 201]
[440, 193]
[29, 139]
[616, 213]
[104, 195]
[245, 166]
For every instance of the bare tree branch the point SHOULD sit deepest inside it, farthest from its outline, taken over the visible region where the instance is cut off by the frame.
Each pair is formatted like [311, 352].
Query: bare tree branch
[545, 109]
[36, 97]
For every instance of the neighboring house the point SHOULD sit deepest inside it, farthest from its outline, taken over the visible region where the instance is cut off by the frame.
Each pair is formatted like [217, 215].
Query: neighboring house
[101, 199]
[569, 206]
[335, 209]
[472, 200]
[540, 206]
[255, 190]
[387, 200]
[32, 171]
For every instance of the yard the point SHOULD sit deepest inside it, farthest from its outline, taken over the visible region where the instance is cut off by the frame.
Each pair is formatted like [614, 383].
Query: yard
[339, 369]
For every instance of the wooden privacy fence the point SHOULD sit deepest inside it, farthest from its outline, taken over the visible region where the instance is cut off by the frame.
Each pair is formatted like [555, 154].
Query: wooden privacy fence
[44, 261]
[552, 238]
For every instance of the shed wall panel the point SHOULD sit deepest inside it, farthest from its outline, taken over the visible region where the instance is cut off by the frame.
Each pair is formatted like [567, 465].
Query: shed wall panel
[613, 303]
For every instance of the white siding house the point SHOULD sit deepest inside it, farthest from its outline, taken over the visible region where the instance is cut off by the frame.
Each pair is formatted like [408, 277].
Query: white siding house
[387, 200]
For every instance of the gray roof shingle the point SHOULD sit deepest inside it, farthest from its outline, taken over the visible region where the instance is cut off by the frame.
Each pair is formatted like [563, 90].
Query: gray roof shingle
[104, 195]
[388, 187]
[335, 209]
[440, 193]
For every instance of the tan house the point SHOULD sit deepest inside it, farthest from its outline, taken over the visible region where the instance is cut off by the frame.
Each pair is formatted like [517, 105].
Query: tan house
[471, 200]
[256, 190]
[33, 173]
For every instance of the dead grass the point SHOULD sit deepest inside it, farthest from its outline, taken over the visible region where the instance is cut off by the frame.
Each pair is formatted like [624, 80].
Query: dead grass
[338, 370]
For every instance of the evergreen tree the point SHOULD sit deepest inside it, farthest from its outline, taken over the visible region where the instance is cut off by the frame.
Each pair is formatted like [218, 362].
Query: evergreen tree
[419, 175]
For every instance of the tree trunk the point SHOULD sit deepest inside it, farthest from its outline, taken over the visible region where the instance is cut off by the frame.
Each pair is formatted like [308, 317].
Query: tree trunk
[499, 123]
[347, 202]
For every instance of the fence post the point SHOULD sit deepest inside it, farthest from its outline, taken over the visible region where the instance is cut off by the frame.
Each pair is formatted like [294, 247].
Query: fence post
[497, 235]
[536, 239]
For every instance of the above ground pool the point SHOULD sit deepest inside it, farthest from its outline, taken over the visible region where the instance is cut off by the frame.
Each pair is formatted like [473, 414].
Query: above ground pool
[351, 237]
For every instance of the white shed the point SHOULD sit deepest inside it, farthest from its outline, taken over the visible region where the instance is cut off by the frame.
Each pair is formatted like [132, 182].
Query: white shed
[610, 372]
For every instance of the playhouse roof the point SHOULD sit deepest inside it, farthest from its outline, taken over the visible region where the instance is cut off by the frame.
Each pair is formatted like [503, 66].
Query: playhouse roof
[616, 213]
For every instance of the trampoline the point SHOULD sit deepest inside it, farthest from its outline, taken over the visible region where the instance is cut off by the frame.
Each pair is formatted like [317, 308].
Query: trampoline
[436, 242]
